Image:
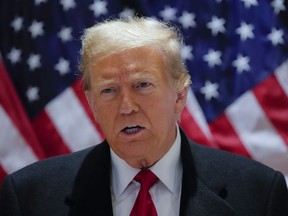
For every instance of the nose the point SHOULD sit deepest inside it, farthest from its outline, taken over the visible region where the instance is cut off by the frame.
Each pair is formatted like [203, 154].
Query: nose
[128, 104]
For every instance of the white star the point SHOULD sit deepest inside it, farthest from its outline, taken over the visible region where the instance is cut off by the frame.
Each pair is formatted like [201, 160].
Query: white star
[17, 24]
[241, 63]
[186, 52]
[168, 14]
[62, 66]
[38, 2]
[36, 29]
[245, 31]
[210, 90]
[67, 4]
[34, 61]
[99, 7]
[187, 20]
[278, 6]
[14, 55]
[65, 34]
[249, 3]
[32, 94]
[216, 25]
[213, 58]
[127, 13]
[276, 36]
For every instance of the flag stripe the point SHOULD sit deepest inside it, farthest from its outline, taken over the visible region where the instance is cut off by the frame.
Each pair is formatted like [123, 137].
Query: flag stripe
[268, 94]
[282, 76]
[226, 137]
[72, 117]
[15, 152]
[52, 143]
[78, 90]
[194, 107]
[14, 109]
[2, 174]
[255, 130]
[192, 129]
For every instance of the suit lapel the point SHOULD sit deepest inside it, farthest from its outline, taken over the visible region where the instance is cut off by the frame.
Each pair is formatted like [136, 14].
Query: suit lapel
[196, 198]
[91, 192]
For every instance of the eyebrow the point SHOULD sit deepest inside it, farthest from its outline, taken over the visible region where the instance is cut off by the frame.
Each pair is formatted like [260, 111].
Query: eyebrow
[131, 77]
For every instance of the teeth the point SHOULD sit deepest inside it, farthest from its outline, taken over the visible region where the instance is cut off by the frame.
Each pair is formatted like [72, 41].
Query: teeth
[132, 129]
[133, 126]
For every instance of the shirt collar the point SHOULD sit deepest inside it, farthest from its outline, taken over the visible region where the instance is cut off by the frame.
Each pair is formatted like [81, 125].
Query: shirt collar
[167, 169]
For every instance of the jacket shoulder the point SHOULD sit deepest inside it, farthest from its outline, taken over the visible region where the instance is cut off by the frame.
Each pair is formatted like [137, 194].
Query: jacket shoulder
[214, 163]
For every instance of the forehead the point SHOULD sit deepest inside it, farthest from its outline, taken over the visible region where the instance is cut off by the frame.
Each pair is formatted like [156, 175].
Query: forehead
[135, 62]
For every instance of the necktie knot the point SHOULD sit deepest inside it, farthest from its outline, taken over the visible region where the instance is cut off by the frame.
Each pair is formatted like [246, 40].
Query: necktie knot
[146, 178]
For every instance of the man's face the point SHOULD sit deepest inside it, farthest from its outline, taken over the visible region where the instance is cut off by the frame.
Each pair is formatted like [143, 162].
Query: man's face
[136, 104]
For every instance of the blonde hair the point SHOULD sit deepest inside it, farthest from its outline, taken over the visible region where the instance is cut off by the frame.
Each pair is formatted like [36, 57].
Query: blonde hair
[113, 36]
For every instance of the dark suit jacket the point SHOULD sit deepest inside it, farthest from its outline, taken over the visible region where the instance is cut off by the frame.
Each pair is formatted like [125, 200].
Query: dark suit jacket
[215, 183]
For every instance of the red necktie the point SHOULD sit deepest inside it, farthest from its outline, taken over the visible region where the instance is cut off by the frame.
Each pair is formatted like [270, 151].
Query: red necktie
[144, 205]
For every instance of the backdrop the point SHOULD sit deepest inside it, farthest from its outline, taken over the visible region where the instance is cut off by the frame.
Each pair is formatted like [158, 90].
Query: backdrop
[235, 50]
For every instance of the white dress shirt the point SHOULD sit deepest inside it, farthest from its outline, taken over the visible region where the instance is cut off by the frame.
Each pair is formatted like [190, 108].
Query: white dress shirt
[166, 193]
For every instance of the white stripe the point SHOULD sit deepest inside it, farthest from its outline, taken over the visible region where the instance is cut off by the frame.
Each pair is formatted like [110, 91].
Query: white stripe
[282, 76]
[72, 122]
[197, 113]
[15, 153]
[257, 134]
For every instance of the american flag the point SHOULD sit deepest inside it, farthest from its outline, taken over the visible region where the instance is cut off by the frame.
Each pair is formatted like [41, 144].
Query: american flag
[235, 50]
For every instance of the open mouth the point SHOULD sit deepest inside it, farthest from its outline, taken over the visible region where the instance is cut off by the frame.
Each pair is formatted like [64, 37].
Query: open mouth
[132, 129]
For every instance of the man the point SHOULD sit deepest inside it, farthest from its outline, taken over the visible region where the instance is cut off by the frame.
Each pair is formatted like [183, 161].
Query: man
[136, 86]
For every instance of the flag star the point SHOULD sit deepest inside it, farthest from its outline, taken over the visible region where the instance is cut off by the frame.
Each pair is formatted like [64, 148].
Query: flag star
[68, 4]
[168, 14]
[187, 20]
[249, 3]
[186, 52]
[62, 66]
[276, 36]
[36, 29]
[245, 31]
[17, 24]
[65, 34]
[126, 13]
[14, 55]
[216, 25]
[99, 7]
[210, 90]
[278, 6]
[213, 58]
[241, 63]
[32, 94]
[38, 2]
[34, 61]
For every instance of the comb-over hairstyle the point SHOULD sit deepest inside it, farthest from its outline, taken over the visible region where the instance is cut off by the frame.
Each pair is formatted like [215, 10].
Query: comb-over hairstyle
[113, 36]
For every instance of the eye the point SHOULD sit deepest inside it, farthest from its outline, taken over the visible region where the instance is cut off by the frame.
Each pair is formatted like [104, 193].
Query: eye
[108, 90]
[143, 84]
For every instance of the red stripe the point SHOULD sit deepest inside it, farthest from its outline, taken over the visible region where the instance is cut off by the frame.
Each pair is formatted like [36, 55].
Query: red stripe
[13, 107]
[274, 103]
[77, 87]
[192, 129]
[226, 137]
[2, 175]
[51, 141]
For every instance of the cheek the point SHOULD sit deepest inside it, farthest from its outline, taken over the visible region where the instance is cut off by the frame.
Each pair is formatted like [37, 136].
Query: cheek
[162, 110]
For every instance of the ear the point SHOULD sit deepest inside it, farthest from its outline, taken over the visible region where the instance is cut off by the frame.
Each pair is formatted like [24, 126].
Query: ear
[181, 100]
[91, 101]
